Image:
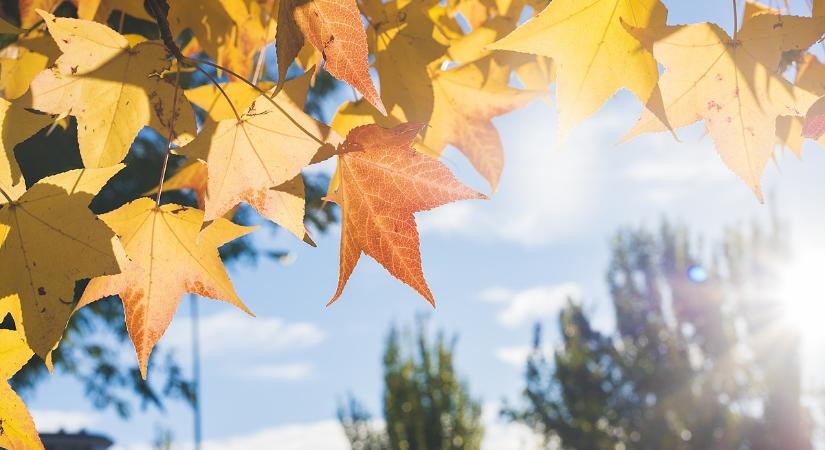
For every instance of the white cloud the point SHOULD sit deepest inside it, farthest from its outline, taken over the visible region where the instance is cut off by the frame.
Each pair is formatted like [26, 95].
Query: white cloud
[531, 304]
[281, 372]
[231, 332]
[515, 356]
[325, 434]
[51, 421]
[502, 435]
[329, 435]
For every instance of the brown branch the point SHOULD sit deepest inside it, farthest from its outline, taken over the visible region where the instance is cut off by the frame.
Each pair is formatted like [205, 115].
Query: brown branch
[159, 9]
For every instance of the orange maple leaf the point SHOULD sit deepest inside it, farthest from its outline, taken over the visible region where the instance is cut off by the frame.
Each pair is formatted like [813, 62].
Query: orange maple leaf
[334, 28]
[383, 182]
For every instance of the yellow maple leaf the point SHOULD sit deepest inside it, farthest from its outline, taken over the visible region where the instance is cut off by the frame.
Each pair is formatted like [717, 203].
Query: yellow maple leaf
[258, 160]
[473, 46]
[457, 104]
[410, 39]
[209, 98]
[100, 10]
[465, 102]
[208, 21]
[18, 125]
[169, 256]
[594, 54]
[810, 75]
[97, 62]
[254, 28]
[50, 240]
[28, 10]
[753, 9]
[17, 430]
[23, 59]
[730, 84]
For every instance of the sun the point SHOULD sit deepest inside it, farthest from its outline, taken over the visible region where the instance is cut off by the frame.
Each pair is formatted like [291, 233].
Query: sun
[802, 291]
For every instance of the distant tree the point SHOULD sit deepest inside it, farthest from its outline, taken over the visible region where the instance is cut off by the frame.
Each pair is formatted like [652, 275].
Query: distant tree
[359, 427]
[690, 364]
[426, 405]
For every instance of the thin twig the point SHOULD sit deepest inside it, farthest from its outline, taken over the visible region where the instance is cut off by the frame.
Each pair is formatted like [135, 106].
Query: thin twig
[256, 76]
[169, 139]
[121, 22]
[259, 65]
[735, 20]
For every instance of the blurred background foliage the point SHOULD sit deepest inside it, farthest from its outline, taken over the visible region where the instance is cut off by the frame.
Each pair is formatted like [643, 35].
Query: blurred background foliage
[700, 357]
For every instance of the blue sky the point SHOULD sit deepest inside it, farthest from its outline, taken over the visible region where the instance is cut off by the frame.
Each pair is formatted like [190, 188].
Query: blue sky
[494, 266]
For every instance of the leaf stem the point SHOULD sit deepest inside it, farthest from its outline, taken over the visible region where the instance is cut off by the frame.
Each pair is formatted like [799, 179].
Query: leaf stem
[169, 139]
[8, 197]
[217, 85]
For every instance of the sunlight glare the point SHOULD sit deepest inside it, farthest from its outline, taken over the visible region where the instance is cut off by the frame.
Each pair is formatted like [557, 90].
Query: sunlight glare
[803, 293]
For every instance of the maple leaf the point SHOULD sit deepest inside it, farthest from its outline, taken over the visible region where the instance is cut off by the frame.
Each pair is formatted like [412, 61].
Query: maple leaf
[594, 54]
[473, 46]
[383, 182]
[253, 29]
[409, 41]
[209, 98]
[815, 120]
[208, 20]
[101, 10]
[458, 103]
[334, 28]
[284, 203]
[810, 75]
[17, 430]
[730, 84]
[98, 62]
[50, 240]
[23, 60]
[25, 124]
[28, 10]
[169, 256]
[258, 160]
[475, 12]
[465, 103]
[753, 9]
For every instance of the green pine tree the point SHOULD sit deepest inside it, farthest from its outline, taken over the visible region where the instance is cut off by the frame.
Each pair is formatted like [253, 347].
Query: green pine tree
[426, 405]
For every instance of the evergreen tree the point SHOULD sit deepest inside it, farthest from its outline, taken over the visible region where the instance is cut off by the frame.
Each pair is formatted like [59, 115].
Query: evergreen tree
[690, 363]
[426, 405]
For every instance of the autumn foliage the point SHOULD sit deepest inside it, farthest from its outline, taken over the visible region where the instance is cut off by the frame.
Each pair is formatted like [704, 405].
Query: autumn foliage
[430, 75]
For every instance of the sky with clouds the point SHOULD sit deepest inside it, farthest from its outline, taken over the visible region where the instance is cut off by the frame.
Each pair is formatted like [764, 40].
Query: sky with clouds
[496, 267]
